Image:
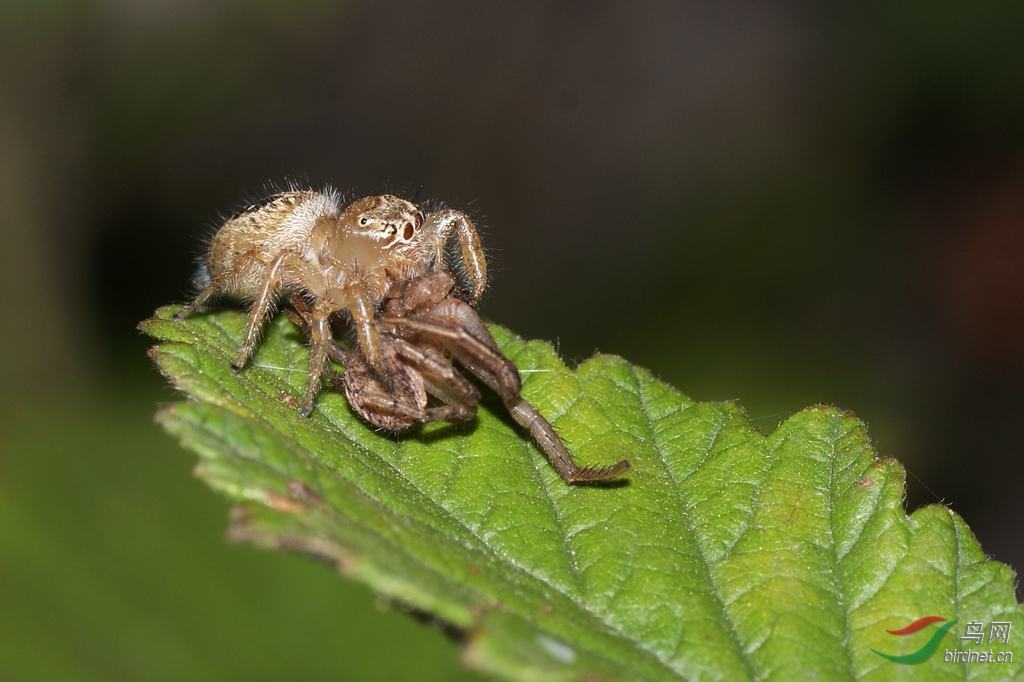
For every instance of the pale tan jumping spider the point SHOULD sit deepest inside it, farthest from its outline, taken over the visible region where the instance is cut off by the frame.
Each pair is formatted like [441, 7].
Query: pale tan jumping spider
[344, 260]
[383, 264]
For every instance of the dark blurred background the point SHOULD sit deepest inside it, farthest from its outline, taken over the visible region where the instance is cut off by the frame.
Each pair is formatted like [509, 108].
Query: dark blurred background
[782, 204]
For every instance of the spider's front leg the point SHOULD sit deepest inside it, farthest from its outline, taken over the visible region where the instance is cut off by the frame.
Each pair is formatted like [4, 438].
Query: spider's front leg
[439, 227]
[363, 319]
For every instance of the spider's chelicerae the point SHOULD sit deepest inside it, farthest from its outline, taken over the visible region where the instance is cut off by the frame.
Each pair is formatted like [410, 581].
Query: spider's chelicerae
[380, 265]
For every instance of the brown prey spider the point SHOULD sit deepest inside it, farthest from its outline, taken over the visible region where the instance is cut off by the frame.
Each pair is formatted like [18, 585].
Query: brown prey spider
[421, 332]
[344, 260]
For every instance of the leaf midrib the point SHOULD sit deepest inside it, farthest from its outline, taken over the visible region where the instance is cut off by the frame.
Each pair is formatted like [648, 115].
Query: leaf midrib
[837, 574]
[684, 514]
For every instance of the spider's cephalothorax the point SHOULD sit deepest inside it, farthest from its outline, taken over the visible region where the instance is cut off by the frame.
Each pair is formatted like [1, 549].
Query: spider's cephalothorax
[344, 260]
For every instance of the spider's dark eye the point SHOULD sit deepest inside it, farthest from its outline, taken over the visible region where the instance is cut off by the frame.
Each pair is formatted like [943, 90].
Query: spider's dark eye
[408, 231]
[364, 220]
[391, 230]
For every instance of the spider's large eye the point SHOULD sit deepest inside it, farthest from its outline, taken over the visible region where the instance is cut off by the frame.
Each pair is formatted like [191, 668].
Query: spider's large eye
[408, 231]
[364, 220]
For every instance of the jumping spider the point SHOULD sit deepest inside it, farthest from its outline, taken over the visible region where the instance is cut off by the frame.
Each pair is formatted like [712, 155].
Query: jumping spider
[344, 260]
[381, 262]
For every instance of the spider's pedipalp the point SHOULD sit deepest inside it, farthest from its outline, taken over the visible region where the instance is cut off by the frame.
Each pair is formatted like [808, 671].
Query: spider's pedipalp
[439, 227]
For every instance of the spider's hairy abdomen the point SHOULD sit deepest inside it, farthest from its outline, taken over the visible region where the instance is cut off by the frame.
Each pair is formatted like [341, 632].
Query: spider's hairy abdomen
[247, 243]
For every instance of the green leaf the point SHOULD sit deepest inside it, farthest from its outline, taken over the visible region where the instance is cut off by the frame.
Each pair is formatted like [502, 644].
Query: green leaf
[724, 555]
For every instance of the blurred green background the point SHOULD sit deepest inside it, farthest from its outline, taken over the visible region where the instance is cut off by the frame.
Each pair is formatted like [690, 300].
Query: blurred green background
[784, 205]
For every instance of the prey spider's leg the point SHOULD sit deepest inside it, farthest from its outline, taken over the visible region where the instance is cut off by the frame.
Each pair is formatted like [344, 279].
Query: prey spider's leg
[439, 374]
[320, 339]
[481, 372]
[454, 310]
[447, 413]
[260, 307]
[486, 363]
[404, 402]
[384, 401]
[527, 416]
[373, 398]
[440, 379]
[494, 361]
[439, 226]
[466, 344]
[300, 312]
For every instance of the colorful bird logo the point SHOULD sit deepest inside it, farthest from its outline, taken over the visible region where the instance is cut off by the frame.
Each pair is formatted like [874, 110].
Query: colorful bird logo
[925, 652]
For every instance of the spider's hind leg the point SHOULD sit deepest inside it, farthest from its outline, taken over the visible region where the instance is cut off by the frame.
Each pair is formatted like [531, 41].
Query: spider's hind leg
[212, 288]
